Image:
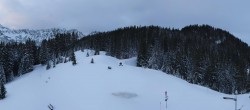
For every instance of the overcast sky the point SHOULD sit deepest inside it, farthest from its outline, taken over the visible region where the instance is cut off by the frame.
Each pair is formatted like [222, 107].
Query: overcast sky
[103, 15]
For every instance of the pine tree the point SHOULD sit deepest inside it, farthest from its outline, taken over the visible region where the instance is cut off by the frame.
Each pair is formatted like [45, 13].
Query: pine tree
[65, 60]
[97, 52]
[2, 91]
[54, 63]
[26, 64]
[87, 55]
[92, 60]
[2, 82]
[44, 53]
[48, 65]
[2, 75]
[142, 59]
[7, 63]
[73, 58]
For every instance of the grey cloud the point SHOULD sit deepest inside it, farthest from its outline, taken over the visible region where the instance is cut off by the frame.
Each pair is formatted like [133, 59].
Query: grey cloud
[102, 15]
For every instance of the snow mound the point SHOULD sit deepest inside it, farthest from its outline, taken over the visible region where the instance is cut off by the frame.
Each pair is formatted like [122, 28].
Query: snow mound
[125, 95]
[131, 61]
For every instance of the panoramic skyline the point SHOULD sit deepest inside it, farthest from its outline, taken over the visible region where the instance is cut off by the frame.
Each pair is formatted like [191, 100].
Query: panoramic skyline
[103, 15]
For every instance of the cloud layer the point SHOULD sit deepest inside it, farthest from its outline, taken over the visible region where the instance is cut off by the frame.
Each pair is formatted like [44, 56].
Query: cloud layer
[102, 15]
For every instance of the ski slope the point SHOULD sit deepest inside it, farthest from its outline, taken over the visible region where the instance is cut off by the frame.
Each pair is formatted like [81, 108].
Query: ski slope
[87, 86]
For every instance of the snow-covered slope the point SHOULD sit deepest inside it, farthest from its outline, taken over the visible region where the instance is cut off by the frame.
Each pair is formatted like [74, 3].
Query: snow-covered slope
[89, 86]
[21, 35]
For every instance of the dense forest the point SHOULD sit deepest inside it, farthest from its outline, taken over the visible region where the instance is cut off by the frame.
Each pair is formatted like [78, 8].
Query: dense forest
[199, 54]
[19, 58]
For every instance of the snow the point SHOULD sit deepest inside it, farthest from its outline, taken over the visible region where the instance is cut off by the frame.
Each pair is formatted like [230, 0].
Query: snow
[87, 86]
[218, 41]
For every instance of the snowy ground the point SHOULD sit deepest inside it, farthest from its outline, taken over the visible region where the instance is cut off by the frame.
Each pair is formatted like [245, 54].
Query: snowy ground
[89, 86]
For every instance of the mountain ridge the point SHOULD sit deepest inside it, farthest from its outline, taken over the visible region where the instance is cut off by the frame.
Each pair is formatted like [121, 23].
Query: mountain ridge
[22, 35]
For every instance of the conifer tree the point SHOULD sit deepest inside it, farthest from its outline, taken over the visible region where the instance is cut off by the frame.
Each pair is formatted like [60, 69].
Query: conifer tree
[48, 65]
[87, 55]
[73, 58]
[92, 60]
[2, 91]
[44, 52]
[2, 82]
[7, 63]
[65, 60]
[27, 59]
[142, 59]
[97, 52]
[2, 75]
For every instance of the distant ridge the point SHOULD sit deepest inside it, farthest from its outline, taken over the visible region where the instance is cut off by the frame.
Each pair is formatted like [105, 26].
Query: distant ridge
[21, 35]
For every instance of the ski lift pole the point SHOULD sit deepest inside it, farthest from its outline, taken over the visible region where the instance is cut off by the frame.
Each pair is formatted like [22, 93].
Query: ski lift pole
[166, 99]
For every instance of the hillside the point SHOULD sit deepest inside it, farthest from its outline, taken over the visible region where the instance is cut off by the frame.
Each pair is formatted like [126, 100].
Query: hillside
[94, 87]
[199, 54]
